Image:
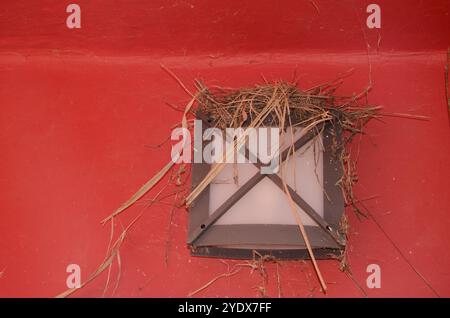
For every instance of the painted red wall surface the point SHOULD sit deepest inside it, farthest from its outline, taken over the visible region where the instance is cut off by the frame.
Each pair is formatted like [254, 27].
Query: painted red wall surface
[78, 109]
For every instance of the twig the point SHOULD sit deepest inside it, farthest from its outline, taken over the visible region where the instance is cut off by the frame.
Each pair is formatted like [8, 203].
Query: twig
[424, 280]
[408, 116]
[212, 281]
[172, 74]
[280, 293]
[155, 179]
[305, 237]
[169, 227]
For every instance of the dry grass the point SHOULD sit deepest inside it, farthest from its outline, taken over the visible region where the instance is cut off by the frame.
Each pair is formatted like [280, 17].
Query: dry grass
[279, 104]
[257, 264]
[284, 105]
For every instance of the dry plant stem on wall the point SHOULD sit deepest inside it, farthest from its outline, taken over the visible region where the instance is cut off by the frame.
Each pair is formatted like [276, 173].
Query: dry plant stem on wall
[278, 104]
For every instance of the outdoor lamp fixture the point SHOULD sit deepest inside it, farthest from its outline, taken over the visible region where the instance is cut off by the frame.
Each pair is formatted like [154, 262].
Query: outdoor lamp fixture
[243, 210]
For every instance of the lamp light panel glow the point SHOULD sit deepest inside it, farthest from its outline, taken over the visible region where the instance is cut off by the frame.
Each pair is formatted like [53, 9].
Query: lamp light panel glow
[266, 203]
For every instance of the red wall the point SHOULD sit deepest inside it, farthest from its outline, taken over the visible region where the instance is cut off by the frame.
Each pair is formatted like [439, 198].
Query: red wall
[78, 107]
[138, 27]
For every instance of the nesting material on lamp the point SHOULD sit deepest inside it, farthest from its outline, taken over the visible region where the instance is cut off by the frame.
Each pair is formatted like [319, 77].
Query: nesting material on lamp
[235, 209]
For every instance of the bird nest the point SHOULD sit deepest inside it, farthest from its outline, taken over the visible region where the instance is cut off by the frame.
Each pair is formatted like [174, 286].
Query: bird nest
[284, 105]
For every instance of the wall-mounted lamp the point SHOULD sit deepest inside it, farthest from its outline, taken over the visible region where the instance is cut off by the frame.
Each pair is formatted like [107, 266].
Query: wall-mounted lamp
[232, 219]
